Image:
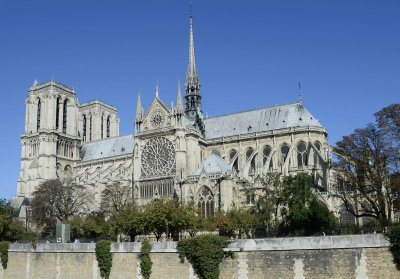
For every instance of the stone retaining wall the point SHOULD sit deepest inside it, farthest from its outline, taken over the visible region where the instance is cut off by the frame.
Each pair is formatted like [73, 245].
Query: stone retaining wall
[352, 256]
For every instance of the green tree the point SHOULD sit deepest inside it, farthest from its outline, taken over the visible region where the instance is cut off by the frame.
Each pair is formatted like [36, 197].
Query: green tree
[267, 206]
[10, 228]
[368, 161]
[303, 213]
[92, 226]
[205, 253]
[129, 221]
[157, 217]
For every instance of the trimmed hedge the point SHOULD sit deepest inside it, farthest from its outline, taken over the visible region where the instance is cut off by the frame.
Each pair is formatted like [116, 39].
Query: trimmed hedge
[205, 253]
[4, 245]
[104, 257]
[145, 261]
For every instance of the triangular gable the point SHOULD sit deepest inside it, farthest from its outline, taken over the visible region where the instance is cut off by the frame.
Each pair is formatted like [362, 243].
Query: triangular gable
[157, 111]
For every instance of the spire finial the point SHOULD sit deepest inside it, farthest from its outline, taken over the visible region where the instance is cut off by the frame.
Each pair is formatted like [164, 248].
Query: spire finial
[157, 88]
[300, 95]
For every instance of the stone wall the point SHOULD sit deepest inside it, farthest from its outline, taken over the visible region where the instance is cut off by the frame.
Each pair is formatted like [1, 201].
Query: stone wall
[355, 256]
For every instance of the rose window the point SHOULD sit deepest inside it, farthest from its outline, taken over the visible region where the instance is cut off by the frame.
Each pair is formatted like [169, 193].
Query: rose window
[158, 157]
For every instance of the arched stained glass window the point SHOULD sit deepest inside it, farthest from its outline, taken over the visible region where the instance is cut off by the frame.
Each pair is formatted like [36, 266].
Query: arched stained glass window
[302, 154]
[206, 203]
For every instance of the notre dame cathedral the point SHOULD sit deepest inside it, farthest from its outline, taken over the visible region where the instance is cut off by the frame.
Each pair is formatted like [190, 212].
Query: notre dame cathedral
[174, 150]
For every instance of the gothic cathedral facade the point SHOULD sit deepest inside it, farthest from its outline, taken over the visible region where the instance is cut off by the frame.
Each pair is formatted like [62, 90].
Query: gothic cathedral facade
[174, 150]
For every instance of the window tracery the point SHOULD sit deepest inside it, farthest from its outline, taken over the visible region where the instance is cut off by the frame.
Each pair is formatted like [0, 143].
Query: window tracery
[158, 157]
[206, 202]
[302, 154]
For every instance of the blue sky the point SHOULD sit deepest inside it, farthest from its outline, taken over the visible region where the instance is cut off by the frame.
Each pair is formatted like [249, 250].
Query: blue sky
[249, 54]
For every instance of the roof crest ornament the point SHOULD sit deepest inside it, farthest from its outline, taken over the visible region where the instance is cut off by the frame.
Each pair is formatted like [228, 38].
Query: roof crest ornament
[157, 89]
[300, 94]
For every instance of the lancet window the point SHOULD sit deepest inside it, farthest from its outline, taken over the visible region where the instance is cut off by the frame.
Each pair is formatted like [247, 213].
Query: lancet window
[108, 126]
[38, 115]
[65, 116]
[57, 113]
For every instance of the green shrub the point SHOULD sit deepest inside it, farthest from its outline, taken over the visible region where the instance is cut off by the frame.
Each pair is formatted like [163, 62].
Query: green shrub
[205, 253]
[145, 261]
[394, 238]
[4, 245]
[104, 257]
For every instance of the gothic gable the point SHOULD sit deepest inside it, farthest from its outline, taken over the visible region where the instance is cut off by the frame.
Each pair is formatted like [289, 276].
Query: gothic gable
[157, 116]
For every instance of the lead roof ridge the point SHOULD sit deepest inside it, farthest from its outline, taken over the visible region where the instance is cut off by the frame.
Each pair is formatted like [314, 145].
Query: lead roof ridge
[255, 109]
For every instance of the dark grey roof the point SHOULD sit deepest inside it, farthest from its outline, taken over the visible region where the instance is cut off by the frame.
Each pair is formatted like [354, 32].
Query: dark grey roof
[107, 148]
[260, 120]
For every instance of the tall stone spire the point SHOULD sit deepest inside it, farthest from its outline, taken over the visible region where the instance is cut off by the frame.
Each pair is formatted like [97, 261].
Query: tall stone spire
[139, 110]
[179, 106]
[192, 71]
[192, 84]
